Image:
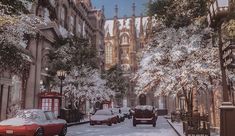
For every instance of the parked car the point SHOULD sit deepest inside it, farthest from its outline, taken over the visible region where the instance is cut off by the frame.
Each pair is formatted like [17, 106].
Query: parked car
[126, 111]
[118, 113]
[33, 122]
[144, 115]
[104, 116]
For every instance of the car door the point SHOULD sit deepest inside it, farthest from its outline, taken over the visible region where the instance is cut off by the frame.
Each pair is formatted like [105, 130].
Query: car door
[50, 126]
[54, 125]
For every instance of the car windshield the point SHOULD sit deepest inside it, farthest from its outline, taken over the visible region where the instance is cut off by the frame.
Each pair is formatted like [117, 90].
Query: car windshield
[50, 115]
[31, 114]
[125, 109]
[103, 112]
[144, 107]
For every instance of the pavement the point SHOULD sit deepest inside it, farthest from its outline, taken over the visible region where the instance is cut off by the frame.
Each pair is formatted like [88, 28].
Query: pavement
[125, 128]
[178, 127]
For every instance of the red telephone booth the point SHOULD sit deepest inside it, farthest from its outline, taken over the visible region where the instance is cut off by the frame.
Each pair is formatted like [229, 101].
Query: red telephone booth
[50, 101]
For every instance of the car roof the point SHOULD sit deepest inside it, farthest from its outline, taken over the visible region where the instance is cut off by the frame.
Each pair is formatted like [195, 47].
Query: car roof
[143, 107]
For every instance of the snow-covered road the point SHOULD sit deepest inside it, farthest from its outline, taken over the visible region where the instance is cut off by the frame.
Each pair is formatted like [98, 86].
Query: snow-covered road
[123, 129]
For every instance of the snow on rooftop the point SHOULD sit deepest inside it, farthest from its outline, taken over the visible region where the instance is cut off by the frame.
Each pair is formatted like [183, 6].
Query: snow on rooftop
[125, 23]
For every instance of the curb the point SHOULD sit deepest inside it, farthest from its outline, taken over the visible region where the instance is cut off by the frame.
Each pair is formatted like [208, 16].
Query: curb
[173, 128]
[77, 123]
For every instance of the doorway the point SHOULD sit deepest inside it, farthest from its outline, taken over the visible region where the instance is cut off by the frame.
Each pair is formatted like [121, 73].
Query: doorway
[142, 99]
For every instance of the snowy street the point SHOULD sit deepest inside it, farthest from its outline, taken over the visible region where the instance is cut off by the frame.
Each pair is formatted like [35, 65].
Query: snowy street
[123, 129]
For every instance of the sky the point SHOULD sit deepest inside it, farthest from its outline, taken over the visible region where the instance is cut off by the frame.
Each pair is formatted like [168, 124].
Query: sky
[124, 7]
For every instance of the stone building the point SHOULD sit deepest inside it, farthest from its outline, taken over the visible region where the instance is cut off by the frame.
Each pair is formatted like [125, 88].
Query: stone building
[124, 38]
[63, 18]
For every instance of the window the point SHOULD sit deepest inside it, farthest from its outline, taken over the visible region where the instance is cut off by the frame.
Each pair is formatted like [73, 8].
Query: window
[108, 53]
[63, 16]
[125, 39]
[47, 104]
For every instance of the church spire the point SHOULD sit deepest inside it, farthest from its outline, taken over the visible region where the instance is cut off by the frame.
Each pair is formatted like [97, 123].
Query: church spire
[116, 10]
[133, 8]
[103, 8]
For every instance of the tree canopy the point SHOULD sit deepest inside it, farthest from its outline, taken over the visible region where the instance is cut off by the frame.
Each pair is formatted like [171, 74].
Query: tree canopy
[177, 13]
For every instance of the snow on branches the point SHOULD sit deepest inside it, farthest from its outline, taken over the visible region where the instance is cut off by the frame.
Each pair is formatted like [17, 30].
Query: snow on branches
[15, 29]
[177, 58]
[86, 83]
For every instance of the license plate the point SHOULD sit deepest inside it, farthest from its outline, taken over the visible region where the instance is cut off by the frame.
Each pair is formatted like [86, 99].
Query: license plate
[143, 121]
[9, 131]
[98, 122]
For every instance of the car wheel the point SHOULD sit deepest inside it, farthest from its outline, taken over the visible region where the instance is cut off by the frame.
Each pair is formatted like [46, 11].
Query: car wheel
[115, 121]
[154, 125]
[39, 132]
[119, 120]
[134, 123]
[63, 131]
[109, 123]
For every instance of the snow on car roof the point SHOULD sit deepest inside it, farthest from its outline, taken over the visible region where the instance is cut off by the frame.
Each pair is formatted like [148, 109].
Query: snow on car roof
[144, 107]
[115, 110]
[103, 112]
[99, 117]
[16, 122]
[35, 114]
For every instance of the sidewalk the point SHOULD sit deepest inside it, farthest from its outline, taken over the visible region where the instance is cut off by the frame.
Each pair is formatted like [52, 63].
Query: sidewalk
[84, 121]
[178, 127]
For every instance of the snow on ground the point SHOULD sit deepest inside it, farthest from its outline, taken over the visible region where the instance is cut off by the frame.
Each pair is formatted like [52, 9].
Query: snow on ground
[123, 129]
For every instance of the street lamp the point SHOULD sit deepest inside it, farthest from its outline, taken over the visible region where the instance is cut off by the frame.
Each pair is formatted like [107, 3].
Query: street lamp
[219, 12]
[61, 75]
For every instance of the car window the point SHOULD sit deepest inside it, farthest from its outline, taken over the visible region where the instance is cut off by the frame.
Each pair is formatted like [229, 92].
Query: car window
[103, 112]
[50, 115]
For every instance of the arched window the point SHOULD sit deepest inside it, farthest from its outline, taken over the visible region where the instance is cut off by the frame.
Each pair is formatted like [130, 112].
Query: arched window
[124, 39]
[108, 53]
[63, 16]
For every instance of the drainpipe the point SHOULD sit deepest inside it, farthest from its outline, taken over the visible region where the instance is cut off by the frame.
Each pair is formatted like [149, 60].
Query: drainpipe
[36, 70]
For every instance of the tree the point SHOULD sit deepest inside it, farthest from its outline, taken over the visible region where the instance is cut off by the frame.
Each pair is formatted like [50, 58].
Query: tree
[179, 60]
[83, 82]
[177, 13]
[15, 29]
[116, 80]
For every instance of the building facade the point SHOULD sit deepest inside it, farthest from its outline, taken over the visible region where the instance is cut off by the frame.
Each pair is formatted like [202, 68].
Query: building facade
[64, 18]
[124, 38]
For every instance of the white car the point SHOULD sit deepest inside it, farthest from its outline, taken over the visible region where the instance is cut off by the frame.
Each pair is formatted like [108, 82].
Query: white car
[126, 111]
[120, 116]
[104, 116]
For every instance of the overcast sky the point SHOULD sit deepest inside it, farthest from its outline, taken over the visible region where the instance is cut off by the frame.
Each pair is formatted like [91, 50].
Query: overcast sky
[124, 7]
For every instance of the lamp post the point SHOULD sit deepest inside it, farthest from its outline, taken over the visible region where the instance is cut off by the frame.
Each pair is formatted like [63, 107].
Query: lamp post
[61, 75]
[219, 12]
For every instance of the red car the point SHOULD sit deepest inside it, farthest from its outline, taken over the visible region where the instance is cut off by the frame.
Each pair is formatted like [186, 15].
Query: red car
[103, 117]
[144, 114]
[33, 122]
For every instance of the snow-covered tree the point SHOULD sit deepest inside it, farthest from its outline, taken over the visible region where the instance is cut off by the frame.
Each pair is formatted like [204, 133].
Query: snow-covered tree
[178, 60]
[115, 80]
[86, 84]
[177, 13]
[15, 28]
[78, 57]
